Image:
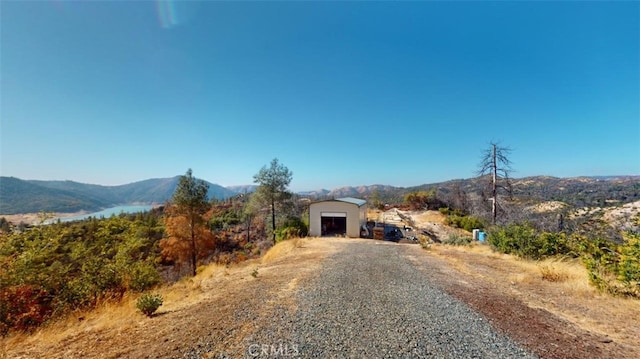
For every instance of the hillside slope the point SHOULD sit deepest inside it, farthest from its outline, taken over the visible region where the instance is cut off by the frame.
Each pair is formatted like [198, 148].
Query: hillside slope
[577, 191]
[28, 196]
[18, 196]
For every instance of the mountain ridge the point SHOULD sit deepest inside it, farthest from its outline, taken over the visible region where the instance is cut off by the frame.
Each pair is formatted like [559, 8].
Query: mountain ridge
[30, 196]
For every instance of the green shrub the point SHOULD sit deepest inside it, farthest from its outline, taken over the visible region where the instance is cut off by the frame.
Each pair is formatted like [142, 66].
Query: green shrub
[226, 218]
[292, 228]
[48, 270]
[550, 244]
[457, 240]
[467, 223]
[451, 212]
[149, 303]
[523, 240]
[614, 268]
[142, 276]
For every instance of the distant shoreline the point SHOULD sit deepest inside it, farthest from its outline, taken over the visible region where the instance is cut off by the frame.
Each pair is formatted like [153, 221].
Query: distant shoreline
[33, 218]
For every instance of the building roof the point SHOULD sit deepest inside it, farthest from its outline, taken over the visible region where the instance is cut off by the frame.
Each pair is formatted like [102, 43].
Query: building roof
[357, 201]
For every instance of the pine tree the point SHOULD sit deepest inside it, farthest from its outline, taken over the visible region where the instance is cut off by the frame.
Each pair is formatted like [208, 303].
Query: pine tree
[185, 222]
[272, 187]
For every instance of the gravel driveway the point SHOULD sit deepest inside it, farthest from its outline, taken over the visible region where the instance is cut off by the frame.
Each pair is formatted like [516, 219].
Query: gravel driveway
[371, 301]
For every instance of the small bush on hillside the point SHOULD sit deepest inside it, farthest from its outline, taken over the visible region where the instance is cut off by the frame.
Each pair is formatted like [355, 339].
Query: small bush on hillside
[225, 217]
[149, 303]
[523, 240]
[424, 241]
[451, 212]
[467, 223]
[422, 200]
[551, 274]
[457, 240]
[614, 268]
[143, 276]
[292, 228]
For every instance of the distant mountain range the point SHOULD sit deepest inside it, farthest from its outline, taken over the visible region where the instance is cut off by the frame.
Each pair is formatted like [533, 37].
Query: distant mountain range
[29, 196]
[575, 191]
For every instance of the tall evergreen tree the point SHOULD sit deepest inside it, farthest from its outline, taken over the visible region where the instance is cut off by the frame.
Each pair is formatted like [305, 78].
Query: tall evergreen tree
[272, 187]
[186, 222]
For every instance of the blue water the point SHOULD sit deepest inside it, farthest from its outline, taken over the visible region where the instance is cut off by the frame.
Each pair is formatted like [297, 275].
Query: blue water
[106, 213]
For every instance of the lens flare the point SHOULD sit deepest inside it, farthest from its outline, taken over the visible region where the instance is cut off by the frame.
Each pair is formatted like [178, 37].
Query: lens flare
[166, 13]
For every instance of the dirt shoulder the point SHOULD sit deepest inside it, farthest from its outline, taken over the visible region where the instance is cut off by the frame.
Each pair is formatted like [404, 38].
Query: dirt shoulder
[561, 316]
[553, 319]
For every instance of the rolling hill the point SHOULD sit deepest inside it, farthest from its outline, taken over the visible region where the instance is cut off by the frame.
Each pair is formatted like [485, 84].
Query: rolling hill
[575, 191]
[18, 196]
[29, 196]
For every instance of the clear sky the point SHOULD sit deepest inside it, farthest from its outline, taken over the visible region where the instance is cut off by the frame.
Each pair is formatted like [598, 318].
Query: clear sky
[342, 93]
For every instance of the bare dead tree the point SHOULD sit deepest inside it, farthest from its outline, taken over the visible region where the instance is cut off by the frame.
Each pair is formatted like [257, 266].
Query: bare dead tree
[495, 163]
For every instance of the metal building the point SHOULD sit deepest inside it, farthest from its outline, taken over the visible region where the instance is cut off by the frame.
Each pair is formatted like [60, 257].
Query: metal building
[337, 217]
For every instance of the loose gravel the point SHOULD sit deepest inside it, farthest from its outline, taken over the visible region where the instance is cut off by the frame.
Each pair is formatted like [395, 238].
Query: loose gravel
[371, 301]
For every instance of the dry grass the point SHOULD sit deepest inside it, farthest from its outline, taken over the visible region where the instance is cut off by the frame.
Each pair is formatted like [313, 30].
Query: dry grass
[106, 315]
[184, 293]
[551, 274]
[560, 286]
[115, 330]
[480, 260]
[374, 214]
[282, 249]
[549, 206]
[428, 217]
[122, 314]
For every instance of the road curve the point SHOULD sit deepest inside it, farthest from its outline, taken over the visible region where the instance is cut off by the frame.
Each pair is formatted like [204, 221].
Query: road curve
[371, 301]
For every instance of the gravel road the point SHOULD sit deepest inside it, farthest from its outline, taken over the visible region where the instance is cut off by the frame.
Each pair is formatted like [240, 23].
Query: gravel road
[371, 301]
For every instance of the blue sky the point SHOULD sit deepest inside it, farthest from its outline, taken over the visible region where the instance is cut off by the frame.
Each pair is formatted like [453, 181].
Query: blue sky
[343, 93]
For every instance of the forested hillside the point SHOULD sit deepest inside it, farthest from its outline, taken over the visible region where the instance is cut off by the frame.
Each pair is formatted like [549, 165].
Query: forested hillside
[576, 192]
[22, 196]
[18, 196]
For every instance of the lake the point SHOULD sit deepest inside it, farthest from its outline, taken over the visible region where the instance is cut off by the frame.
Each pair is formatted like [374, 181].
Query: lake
[106, 213]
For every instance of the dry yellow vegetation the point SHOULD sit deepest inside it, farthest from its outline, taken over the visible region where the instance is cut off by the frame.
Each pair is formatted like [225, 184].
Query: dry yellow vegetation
[559, 286]
[115, 330]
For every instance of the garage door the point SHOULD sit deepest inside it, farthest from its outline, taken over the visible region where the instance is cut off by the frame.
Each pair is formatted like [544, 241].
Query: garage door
[334, 223]
[334, 214]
